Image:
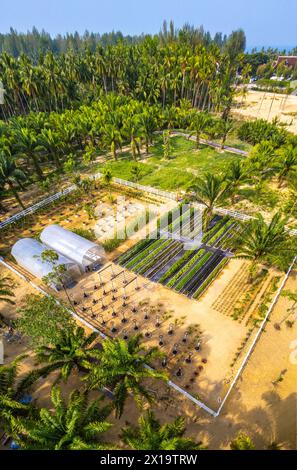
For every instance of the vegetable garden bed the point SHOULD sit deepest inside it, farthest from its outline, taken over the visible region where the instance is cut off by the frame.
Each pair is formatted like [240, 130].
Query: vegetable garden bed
[188, 271]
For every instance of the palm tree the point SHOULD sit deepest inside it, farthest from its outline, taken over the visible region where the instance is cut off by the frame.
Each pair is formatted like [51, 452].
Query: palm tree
[235, 177]
[287, 163]
[52, 142]
[6, 293]
[209, 191]
[28, 146]
[136, 172]
[107, 178]
[11, 390]
[148, 125]
[199, 124]
[122, 366]
[263, 242]
[72, 353]
[11, 175]
[75, 425]
[242, 442]
[261, 158]
[150, 435]
[112, 138]
[225, 127]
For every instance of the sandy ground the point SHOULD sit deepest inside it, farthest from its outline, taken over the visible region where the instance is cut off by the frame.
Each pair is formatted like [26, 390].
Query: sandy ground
[265, 410]
[261, 105]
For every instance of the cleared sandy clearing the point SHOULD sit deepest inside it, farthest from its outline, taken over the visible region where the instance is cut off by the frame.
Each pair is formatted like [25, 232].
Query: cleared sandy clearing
[261, 105]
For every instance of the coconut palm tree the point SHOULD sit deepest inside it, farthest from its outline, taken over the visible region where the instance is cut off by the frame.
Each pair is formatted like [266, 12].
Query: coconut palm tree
[150, 435]
[52, 142]
[148, 124]
[75, 425]
[261, 158]
[209, 191]
[136, 172]
[27, 146]
[263, 242]
[236, 176]
[242, 442]
[11, 390]
[286, 164]
[200, 121]
[112, 138]
[71, 354]
[11, 175]
[6, 293]
[225, 127]
[122, 366]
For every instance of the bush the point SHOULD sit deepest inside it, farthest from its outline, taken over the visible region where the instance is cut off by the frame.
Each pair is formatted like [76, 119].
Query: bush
[255, 132]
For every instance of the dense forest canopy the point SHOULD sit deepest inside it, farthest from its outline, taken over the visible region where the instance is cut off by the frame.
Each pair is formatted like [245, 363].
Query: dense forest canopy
[165, 68]
[33, 43]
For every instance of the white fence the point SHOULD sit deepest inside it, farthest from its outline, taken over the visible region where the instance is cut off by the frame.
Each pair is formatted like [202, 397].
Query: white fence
[38, 205]
[64, 192]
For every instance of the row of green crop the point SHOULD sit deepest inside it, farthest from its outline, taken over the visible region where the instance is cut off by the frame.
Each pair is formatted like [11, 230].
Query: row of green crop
[220, 232]
[145, 252]
[210, 278]
[217, 226]
[177, 265]
[193, 271]
[185, 268]
[150, 259]
[134, 250]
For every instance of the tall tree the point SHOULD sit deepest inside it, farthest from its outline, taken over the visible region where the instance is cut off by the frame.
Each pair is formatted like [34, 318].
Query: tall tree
[150, 435]
[11, 175]
[122, 366]
[76, 425]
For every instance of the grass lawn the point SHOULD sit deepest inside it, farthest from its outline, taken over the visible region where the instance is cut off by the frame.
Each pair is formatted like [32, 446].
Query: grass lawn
[179, 170]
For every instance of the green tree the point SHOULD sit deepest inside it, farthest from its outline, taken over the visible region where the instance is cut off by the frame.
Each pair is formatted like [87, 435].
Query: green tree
[150, 435]
[236, 176]
[73, 351]
[200, 122]
[11, 175]
[43, 320]
[76, 425]
[242, 442]
[210, 190]
[122, 367]
[263, 242]
[136, 172]
[166, 144]
[286, 163]
[11, 390]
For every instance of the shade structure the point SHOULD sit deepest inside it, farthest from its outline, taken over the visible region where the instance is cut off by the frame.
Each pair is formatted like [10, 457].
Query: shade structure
[27, 253]
[80, 250]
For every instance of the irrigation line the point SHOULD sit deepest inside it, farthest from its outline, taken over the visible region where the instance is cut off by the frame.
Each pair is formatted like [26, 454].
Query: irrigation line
[244, 362]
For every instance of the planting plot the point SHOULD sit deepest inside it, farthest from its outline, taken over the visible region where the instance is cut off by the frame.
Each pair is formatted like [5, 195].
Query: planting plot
[180, 258]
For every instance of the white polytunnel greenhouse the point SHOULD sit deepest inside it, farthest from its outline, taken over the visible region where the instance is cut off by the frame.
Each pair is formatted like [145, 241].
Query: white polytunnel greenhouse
[27, 252]
[86, 254]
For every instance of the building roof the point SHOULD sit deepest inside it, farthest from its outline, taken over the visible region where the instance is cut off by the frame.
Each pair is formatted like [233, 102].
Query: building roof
[73, 246]
[27, 253]
[290, 60]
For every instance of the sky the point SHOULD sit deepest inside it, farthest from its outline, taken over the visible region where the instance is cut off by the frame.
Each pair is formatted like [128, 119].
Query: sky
[266, 22]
